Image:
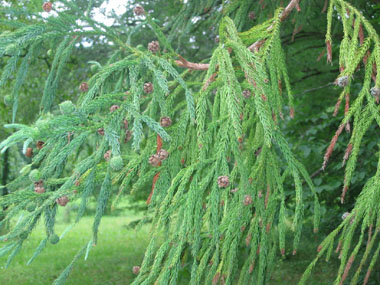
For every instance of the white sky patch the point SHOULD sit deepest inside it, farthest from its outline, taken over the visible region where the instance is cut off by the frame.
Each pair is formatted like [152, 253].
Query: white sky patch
[103, 14]
[5, 4]
[195, 19]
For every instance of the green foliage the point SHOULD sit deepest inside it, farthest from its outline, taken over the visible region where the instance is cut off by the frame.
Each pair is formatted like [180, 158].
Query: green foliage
[232, 178]
[364, 112]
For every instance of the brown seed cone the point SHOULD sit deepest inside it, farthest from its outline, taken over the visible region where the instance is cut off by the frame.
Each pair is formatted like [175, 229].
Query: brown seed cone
[83, 87]
[39, 190]
[128, 136]
[39, 187]
[29, 152]
[342, 81]
[136, 269]
[138, 10]
[223, 181]
[40, 144]
[247, 93]
[154, 160]
[162, 154]
[62, 201]
[154, 46]
[125, 123]
[114, 108]
[251, 15]
[47, 6]
[234, 190]
[345, 215]
[247, 200]
[148, 87]
[165, 122]
[101, 131]
[375, 92]
[107, 155]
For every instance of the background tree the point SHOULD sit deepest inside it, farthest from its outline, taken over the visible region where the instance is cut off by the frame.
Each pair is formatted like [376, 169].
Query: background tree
[207, 147]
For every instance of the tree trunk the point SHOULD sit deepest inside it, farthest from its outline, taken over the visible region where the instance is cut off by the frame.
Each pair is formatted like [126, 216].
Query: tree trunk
[4, 176]
[4, 179]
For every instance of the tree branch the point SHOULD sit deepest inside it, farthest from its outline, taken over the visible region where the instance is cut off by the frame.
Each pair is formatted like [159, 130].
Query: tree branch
[314, 74]
[191, 65]
[253, 48]
[292, 4]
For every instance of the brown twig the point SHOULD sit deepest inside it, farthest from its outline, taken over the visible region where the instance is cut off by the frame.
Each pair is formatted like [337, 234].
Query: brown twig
[191, 65]
[256, 45]
[181, 62]
[155, 178]
[325, 6]
[208, 82]
[292, 4]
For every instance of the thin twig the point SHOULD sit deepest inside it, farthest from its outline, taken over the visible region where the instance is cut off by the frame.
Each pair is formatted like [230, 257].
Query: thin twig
[191, 65]
[315, 88]
[292, 4]
[254, 47]
[157, 175]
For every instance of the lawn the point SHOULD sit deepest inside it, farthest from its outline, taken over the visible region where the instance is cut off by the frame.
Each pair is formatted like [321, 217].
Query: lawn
[120, 248]
[110, 262]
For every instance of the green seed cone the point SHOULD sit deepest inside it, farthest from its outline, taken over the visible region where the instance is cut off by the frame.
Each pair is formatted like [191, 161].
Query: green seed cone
[31, 207]
[8, 100]
[67, 107]
[94, 68]
[116, 163]
[54, 239]
[35, 175]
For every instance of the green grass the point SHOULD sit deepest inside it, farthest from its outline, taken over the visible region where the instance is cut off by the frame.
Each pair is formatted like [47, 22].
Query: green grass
[289, 270]
[119, 249]
[110, 262]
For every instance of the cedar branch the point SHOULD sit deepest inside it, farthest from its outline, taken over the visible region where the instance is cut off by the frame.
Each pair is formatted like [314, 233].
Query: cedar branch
[254, 47]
